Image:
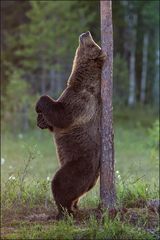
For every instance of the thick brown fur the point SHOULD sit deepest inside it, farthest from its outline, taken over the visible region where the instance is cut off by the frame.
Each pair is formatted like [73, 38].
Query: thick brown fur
[75, 118]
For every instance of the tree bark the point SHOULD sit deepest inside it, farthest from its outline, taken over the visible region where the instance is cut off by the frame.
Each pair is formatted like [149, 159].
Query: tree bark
[43, 81]
[132, 79]
[52, 82]
[156, 80]
[132, 21]
[130, 34]
[59, 82]
[107, 178]
[25, 118]
[126, 44]
[144, 68]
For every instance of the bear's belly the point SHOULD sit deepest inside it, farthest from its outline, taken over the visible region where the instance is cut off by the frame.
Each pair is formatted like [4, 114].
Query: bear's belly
[79, 144]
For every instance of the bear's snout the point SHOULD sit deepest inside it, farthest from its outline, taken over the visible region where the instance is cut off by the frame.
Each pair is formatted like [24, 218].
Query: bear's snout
[84, 36]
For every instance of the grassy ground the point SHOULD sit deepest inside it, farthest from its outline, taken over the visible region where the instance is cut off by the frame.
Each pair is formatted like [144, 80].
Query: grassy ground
[29, 161]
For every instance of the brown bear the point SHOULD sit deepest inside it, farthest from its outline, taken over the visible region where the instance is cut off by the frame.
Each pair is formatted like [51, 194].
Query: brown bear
[75, 120]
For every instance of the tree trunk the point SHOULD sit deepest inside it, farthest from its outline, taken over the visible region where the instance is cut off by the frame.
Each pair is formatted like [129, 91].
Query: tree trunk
[107, 178]
[156, 81]
[25, 118]
[132, 79]
[59, 82]
[52, 82]
[126, 44]
[130, 18]
[132, 71]
[144, 67]
[43, 81]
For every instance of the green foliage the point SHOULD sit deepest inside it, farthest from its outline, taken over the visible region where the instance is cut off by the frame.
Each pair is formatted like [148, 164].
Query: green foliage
[19, 190]
[16, 97]
[17, 103]
[154, 135]
[117, 230]
[40, 37]
[150, 14]
[134, 192]
[17, 89]
[44, 41]
[29, 193]
[134, 117]
[154, 141]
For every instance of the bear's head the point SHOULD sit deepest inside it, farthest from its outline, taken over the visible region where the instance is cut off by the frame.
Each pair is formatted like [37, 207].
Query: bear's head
[89, 50]
[87, 64]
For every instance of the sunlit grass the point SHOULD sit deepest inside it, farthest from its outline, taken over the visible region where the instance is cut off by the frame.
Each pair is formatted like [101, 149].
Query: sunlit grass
[132, 154]
[15, 151]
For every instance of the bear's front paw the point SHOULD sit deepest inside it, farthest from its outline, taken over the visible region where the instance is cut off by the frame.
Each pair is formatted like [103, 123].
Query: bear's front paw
[42, 104]
[41, 123]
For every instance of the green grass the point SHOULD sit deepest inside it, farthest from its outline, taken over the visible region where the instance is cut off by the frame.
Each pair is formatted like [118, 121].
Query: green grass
[30, 161]
[132, 154]
[16, 151]
[92, 229]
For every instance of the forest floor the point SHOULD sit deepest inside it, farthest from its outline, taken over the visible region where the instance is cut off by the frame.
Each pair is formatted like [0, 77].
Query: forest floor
[134, 223]
[28, 162]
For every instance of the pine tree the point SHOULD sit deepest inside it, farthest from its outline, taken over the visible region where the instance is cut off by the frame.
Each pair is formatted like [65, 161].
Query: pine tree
[107, 178]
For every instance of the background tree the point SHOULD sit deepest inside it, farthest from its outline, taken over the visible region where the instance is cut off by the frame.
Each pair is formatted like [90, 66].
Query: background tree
[11, 20]
[149, 18]
[130, 17]
[18, 103]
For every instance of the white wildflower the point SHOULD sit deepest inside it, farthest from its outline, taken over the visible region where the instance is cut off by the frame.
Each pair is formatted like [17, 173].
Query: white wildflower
[2, 161]
[119, 176]
[48, 178]
[117, 171]
[12, 177]
[20, 135]
[10, 167]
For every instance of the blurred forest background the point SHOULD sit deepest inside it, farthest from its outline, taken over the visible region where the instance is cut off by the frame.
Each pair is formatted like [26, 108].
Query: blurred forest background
[38, 43]
[39, 39]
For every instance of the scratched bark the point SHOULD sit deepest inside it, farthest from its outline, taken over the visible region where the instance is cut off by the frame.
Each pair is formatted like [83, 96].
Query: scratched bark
[107, 178]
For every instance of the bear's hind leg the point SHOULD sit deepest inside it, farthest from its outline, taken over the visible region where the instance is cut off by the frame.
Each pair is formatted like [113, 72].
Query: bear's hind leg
[68, 184]
[75, 204]
[62, 195]
[63, 202]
